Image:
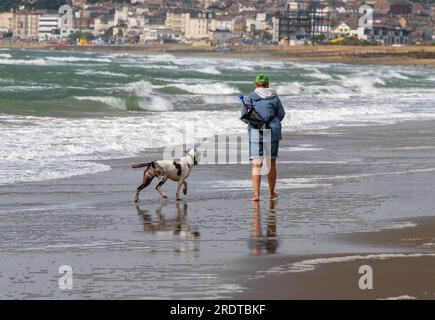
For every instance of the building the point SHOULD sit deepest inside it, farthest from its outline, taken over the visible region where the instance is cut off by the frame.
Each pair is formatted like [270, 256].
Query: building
[199, 26]
[344, 29]
[225, 23]
[303, 21]
[239, 27]
[103, 23]
[219, 37]
[82, 20]
[383, 34]
[176, 20]
[25, 25]
[6, 21]
[159, 35]
[48, 27]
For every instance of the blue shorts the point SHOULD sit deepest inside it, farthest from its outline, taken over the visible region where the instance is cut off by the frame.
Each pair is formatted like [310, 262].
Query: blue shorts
[256, 150]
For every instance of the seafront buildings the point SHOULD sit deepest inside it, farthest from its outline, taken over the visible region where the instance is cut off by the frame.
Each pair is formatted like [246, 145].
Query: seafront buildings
[223, 22]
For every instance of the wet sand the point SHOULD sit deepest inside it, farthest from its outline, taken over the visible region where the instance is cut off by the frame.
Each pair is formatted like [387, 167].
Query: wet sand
[343, 189]
[404, 271]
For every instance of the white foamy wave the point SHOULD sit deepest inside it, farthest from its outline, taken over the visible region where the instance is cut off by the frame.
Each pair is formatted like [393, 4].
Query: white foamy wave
[319, 75]
[396, 75]
[140, 88]
[221, 99]
[27, 88]
[156, 103]
[59, 170]
[78, 59]
[101, 73]
[7, 81]
[311, 264]
[113, 102]
[404, 297]
[364, 84]
[293, 88]
[288, 183]
[209, 70]
[21, 62]
[208, 88]
[5, 55]
[302, 147]
[55, 145]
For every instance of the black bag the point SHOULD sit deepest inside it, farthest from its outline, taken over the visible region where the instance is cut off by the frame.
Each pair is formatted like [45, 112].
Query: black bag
[252, 118]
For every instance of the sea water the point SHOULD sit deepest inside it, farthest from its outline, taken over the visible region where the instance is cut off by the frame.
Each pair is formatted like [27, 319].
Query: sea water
[62, 111]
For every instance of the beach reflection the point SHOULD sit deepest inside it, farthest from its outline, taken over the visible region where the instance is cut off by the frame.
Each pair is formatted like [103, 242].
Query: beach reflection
[177, 226]
[259, 243]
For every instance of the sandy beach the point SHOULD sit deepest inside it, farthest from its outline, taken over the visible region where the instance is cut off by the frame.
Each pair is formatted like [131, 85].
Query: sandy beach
[378, 55]
[350, 196]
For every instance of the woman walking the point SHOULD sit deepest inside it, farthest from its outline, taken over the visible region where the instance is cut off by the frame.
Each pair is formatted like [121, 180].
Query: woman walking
[268, 106]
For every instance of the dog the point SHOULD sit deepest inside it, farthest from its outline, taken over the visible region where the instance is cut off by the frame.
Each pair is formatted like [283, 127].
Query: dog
[176, 170]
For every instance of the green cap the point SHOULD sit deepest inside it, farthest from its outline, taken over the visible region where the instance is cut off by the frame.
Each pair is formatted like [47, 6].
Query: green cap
[262, 78]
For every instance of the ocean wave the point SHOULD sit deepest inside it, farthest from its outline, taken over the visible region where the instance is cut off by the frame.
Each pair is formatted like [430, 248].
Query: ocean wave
[113, 102]
[63, 170]
[312, 264]
[101, 73]
[5, 55]
[27, 88]
[208, 70]
[292, 88]
[78, 59]
[156, 103]
[55, 145]
[208, 88]
[33, 62]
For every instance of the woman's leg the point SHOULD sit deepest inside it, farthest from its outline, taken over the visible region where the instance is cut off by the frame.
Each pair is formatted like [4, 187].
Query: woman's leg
[271, 177]
[256, 178]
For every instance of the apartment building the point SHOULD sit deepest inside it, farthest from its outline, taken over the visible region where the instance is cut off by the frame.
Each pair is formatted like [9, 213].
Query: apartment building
[48, 27]
[199, 25]
[176, 20]
[25, 25]
[6, 21]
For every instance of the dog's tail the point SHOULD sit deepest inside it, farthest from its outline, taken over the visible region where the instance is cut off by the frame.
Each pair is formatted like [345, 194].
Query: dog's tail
[141, 165]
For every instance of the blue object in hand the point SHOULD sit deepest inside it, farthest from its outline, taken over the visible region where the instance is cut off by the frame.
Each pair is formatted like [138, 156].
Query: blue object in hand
[243, 101]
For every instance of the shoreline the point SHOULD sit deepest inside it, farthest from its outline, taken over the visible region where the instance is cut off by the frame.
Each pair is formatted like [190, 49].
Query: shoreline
[374, 55]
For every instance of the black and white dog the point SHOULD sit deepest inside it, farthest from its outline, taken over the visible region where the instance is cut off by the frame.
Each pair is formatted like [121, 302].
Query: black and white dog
[176, 170]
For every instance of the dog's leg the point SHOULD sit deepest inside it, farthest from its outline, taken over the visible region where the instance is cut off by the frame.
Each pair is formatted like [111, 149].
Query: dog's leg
[185, 187]
[162, 180]
[146, 181]
[180, 183]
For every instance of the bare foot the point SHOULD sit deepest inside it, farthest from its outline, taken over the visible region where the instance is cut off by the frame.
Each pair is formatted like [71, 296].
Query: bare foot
[274, 195]
[256, 198]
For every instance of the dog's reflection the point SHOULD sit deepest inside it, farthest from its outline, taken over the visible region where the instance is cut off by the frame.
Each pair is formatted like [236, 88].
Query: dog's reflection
[177, 226]
[258, 241]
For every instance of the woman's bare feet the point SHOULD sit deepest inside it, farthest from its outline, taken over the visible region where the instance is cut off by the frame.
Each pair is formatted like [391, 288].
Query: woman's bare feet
[255, 198]
[274, 195]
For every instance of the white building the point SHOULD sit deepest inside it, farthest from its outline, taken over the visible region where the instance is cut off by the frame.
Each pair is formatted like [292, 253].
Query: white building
[261, 22]
[121, 15]
[199, 26]
[159, 35]
[225, 23]
[49, 27]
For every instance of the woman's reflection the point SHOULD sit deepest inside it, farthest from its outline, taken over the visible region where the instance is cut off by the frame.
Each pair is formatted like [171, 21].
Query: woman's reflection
[257, 241]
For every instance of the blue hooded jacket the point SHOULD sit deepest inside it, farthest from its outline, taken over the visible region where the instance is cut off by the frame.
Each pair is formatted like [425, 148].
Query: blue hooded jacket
[269, 107]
